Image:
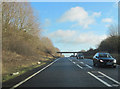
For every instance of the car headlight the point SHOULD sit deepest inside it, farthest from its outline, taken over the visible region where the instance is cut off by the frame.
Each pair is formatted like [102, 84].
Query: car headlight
[101, 60]
[114, 61]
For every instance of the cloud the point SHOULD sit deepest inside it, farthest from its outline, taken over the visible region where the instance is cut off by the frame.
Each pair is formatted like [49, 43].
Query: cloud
[107, 20]
[64, 36]
[107, 26]
[63, 33]
[97, 14]
[90, 38]
[76, 37]
[80, 16]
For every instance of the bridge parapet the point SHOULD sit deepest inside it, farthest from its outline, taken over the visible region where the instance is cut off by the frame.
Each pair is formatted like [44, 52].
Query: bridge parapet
[70, 52]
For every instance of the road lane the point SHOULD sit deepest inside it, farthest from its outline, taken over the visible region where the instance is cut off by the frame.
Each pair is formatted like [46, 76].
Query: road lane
[63, 73]
[113, 72]
[108, 74]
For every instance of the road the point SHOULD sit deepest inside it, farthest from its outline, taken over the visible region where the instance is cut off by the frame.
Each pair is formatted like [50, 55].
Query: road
[71, 72]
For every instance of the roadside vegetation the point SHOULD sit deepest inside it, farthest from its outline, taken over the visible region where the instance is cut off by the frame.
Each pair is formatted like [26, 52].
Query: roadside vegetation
[23, 47]
[110, 44]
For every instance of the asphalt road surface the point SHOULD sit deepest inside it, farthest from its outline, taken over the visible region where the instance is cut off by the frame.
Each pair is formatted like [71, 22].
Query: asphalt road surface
[72, 72]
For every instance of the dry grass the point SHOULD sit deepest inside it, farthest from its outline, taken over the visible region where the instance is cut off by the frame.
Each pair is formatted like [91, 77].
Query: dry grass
[22, 44]
[22, 50]
[13, 61]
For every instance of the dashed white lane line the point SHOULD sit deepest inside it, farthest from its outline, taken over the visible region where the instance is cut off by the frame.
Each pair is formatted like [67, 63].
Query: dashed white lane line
[76, 64]
[70, 60]
[81, 62]
[97, 76]
[79, 66]
[105, 83]
[15, 86]
[73, 62]
[109, 77]
[88, 66]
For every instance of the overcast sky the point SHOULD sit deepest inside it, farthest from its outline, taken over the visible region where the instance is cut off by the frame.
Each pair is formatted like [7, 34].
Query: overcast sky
[76, 26]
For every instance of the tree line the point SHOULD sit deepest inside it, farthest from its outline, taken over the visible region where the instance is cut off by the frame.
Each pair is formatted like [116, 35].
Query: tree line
[110, 44]
[22, 43]
[21, 31]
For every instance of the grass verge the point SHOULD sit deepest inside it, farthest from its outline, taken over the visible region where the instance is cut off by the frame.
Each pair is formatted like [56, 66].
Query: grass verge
[21, 71]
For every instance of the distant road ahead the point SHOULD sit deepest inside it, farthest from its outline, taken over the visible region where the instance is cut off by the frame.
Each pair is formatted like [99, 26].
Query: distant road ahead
[71, 72]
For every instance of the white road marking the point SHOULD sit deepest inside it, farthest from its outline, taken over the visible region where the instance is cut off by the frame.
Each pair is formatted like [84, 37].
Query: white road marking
[100, 76]
[88, 66]
[109, 78]
[73, 62]
[15, 86]
[97, 77]
[100, 79]
[69, 59]
[115, 85]
[79, 66]
[81, 62]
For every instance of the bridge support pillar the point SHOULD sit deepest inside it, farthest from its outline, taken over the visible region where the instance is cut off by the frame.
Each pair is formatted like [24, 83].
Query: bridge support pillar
[74, 54]
[60, 54]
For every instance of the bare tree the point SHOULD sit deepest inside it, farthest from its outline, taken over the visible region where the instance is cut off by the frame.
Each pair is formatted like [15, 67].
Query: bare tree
[113, 30]
[20, 16]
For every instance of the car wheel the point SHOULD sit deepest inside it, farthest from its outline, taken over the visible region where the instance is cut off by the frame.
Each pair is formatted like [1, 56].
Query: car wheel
[114, 66]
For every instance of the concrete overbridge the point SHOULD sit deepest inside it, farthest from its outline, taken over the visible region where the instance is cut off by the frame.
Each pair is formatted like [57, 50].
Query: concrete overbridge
[70, 52]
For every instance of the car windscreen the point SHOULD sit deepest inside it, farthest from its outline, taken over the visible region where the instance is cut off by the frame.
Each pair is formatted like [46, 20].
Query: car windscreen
[105, 55]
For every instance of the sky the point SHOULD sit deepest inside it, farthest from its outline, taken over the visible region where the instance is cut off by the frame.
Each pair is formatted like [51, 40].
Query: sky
[75, 26]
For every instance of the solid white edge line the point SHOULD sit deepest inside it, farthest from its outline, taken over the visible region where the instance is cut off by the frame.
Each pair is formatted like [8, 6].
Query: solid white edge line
[100, 79]
[109, 77]
[79, 66]
[15, 86]
[88, 66]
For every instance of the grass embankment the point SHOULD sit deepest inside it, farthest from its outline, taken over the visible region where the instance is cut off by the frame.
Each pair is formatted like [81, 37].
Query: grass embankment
[21, 52]
[22, 42]
[14, 63]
